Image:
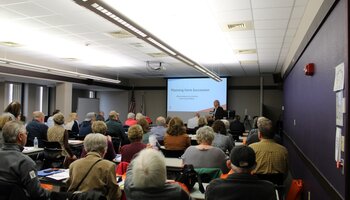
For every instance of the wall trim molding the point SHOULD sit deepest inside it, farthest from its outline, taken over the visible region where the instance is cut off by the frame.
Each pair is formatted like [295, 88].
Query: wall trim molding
[326, 185]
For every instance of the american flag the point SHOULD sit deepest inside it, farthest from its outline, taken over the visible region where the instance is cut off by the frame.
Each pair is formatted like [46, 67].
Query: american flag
[132, 102]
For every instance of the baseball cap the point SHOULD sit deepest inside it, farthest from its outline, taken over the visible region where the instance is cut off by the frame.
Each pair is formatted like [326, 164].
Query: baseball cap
[243, 157]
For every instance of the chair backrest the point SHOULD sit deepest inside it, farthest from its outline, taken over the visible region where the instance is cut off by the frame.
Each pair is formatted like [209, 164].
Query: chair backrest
[116, 141]
[208, 174]
[172, 153]
[52, 145]
[9, 191]
[276, 178]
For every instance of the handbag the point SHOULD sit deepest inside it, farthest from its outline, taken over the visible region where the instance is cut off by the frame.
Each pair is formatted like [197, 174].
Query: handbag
[89, 195]
[189, 177]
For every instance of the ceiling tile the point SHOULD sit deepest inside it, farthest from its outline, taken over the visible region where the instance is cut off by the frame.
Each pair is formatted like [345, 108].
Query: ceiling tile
[301, 2]
[8, 14]
[269, 40]
[56, 20]
[270, 24]
[294, 23]
[29, 9]
[271, 3]
[272, 13]
[270, 33]
[227, 5]
[234, 16]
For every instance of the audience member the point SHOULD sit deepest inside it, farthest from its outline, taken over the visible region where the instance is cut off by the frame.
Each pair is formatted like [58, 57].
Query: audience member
[204, 155]
[85, 126]
[101, 127]
[37, 128]
[130, 119]
[15, 109]
[218, 112]
[236, 127]
[253, 133]
[57, 133]
[15, 167]
[167, 120]
[245, 185]
[5, 117]
[202, 121]
[227, 124]
[139, 116]
[115, 128]
[271, 157]
[146, 179]
[100, 116]
[102, 176]
[135, 135]
[221, 139]
[176, 137]
[159, 130]
[146, 130]
[72, 124]
[50, 122]
[192, 123]
[210, 120]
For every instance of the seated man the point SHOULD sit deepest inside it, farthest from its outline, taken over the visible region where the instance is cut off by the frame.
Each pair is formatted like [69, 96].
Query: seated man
[85, 126]
[146, 179]
[37, 128]
[115, 128]
[17, 168]
[271, 157]
[241, 184]
[159, 130]
[101, 177]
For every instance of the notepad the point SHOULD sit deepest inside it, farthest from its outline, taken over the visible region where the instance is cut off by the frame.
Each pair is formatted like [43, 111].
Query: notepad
[64, 174]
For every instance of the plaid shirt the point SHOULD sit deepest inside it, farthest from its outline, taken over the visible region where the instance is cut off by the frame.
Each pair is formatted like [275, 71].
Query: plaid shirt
[270, 157]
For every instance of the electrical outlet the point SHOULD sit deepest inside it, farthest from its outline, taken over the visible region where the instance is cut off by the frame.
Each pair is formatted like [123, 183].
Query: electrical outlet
[308, 195]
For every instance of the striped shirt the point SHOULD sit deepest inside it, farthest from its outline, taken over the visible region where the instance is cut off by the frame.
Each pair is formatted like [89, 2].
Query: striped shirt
[270, 157]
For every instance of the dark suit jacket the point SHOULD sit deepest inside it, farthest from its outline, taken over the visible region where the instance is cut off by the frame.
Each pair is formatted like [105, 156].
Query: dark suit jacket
[219, 114]
[240, 187]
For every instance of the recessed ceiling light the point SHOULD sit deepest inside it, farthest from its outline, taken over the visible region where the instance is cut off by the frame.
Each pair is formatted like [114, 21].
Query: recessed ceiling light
[157, 55]
[70, 59]
[247, 51]
[239, 26]
[120, 34]
[248, 62]
[9, 44]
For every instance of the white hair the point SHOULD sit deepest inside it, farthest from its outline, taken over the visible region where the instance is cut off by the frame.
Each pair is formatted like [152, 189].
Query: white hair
[149, 169]
[139, 116]
[11, 130]
[205, 134]
[96, 143]
[131, 115]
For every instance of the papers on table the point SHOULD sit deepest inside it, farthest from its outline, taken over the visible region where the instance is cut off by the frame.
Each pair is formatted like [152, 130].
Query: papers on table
[54, 173]
[60, 176]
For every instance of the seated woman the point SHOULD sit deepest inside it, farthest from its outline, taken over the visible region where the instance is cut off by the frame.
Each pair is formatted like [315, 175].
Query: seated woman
[72, 125]
[204, 155]
[176, 137]
[101, 177]
[57, 133]
[101, 127]
[128, 151]
[221, 140]
[146, 130]
[146, 179]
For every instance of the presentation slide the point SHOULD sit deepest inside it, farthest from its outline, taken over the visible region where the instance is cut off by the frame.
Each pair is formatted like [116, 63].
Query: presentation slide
[187, 96]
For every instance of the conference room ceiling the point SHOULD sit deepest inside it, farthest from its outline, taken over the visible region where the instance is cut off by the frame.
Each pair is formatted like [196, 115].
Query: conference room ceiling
[62, 34]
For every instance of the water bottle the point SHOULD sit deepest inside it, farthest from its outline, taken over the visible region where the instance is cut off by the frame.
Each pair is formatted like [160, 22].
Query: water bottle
[36, 143]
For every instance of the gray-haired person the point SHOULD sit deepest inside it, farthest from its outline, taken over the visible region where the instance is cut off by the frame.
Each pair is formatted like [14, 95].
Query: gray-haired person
[146, 179]
[102, 175]
[17, 168]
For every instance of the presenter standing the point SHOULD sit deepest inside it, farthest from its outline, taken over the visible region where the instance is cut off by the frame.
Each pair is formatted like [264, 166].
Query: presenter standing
[218, 112]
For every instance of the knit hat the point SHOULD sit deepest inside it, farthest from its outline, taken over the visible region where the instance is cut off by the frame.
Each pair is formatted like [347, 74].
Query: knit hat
[243, 157]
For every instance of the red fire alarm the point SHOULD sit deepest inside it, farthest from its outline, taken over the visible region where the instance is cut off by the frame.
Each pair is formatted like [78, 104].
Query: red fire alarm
[309, 69]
